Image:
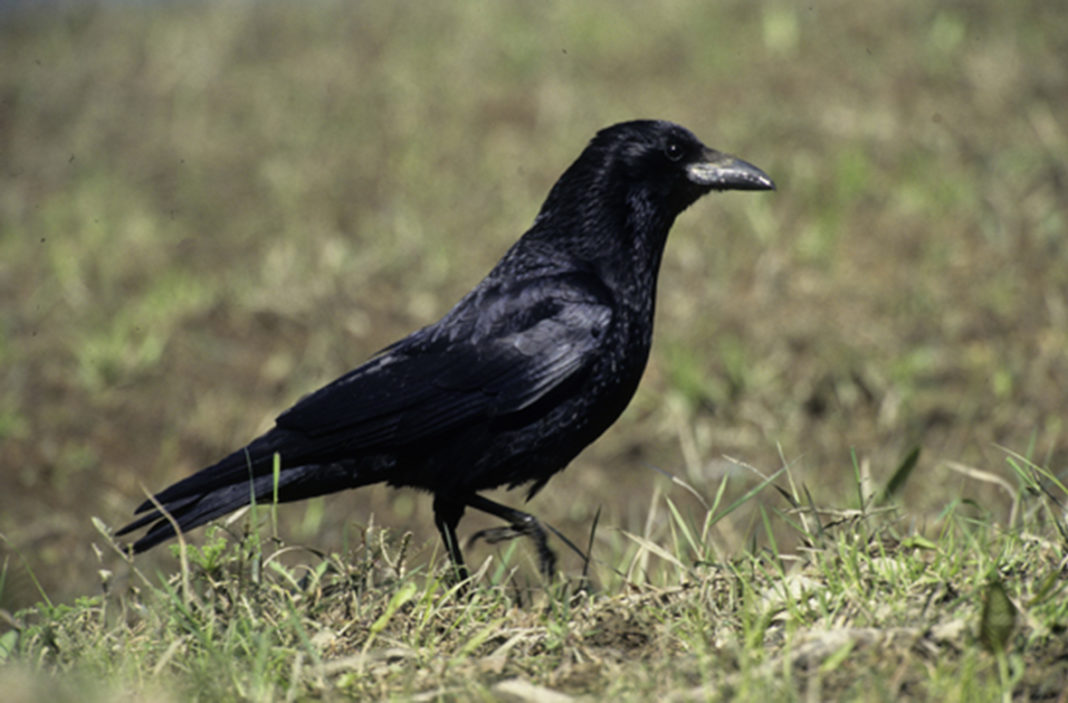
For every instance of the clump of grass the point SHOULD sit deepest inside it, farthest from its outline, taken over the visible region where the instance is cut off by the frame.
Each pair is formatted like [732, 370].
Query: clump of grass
[869, 606]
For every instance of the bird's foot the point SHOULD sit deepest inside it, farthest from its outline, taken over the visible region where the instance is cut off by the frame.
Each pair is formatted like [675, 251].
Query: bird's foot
[529, 527]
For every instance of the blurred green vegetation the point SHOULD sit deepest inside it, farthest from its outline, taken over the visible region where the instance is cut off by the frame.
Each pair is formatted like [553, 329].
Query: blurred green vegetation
[207, 210]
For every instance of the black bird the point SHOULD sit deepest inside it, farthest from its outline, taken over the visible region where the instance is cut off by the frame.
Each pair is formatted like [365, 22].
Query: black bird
[513, 382]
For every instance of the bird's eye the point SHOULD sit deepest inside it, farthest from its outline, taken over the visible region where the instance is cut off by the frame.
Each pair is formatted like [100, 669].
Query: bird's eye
[673, 151]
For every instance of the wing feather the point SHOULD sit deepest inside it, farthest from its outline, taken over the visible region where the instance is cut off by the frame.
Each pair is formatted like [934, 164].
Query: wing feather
[433, 385]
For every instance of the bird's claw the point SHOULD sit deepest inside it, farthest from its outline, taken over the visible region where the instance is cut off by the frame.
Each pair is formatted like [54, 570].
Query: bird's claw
[495, 535]
[531, 528]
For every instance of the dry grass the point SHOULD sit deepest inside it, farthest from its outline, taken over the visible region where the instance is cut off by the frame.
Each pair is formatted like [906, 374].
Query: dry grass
[866, 610]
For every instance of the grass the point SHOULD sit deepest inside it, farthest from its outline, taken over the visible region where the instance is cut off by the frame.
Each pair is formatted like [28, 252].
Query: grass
[868, 609]
[207, 210]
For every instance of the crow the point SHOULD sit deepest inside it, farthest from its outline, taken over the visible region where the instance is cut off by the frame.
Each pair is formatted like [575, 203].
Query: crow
[527, 369]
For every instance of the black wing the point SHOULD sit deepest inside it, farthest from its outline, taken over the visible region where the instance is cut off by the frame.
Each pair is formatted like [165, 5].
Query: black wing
[498, 352]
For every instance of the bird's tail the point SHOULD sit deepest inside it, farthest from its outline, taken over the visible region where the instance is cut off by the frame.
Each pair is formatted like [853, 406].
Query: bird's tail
[233, 483]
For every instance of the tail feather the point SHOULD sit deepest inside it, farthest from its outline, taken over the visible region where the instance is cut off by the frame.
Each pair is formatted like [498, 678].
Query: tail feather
[252, 461]
[193, 503]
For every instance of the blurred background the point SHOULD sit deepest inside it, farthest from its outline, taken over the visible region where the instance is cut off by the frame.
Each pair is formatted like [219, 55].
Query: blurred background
[209, 209]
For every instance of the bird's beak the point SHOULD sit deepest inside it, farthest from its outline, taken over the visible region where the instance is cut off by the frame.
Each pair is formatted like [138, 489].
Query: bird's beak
[721, 171]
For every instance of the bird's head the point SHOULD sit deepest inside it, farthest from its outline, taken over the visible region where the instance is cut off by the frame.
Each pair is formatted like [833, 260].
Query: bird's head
[636, 177]
[670, 163]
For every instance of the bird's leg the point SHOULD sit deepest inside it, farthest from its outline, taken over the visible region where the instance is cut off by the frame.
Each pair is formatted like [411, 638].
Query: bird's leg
[520, 525]
[447, 515]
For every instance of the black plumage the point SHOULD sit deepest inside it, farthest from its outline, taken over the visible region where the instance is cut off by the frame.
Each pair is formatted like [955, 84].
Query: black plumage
[525, 371]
